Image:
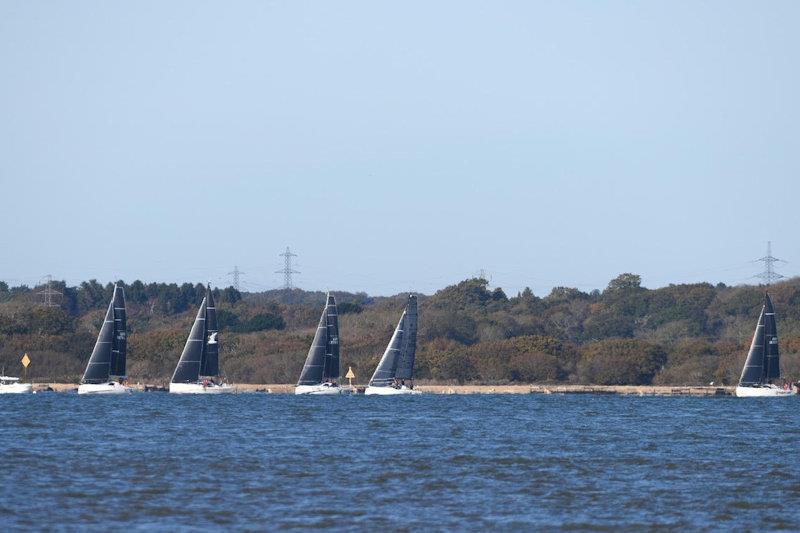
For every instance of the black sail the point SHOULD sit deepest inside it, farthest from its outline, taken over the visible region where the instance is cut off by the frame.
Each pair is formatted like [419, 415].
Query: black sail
[119, 347]
[330, 371]
[98, 369]
[384, 374]
[408, 347]
[210, 362]
[772, 365]
[188, 369]
[315, 360]
[763, 360]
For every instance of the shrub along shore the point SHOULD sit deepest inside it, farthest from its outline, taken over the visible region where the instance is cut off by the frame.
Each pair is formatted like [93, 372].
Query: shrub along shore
[470, 333]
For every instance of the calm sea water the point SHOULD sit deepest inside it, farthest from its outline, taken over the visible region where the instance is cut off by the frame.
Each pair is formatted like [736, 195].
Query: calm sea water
[257, 461]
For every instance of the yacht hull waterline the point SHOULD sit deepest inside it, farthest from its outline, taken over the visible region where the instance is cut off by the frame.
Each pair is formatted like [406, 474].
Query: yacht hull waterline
[200, 388]
[389, 391]
[113, 387]
[320, 390]
[762, 392]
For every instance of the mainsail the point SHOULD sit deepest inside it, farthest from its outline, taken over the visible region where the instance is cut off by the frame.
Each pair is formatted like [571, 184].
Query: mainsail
[398, 359]
[200, 356]
[322, 361]
[111, 349]
[408, 348]
[772, 363]
[763, 360]
[330, 371]
[210, 362]
[119, 348]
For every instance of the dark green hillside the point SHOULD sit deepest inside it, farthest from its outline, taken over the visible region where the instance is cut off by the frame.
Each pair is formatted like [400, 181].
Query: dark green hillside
[469, 332]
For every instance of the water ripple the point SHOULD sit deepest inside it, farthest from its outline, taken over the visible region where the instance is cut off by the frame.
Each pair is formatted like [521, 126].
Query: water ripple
[255, 462]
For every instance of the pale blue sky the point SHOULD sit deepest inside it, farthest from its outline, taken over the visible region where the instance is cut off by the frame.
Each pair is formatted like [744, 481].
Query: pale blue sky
[399, 145]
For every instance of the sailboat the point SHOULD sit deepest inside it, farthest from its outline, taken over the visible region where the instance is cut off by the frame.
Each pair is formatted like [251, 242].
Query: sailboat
[9, 385]
[321, 369]
[105, 373]
[198, 368]
[397, 364]
[762, 366]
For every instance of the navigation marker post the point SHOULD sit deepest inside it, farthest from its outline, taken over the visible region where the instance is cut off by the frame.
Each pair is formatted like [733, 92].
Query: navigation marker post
[25, 362]
[350, 376]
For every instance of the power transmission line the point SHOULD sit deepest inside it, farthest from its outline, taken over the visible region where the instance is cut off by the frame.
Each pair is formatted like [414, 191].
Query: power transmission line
[287, 270]
[49, 292]
[236, 273]
[769, 275]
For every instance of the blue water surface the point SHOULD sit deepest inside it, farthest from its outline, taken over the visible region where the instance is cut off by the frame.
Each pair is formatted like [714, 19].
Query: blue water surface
[431, 462]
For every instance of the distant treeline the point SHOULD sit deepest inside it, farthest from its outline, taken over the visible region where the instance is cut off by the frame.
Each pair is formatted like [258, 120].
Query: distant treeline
[469, 332]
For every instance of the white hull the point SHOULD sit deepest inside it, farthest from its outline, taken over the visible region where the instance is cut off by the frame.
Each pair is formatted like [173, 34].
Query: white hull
[16, 388]
[389, 391]
[199, 388]
[103, 388]
[770, 391]
[321, 389]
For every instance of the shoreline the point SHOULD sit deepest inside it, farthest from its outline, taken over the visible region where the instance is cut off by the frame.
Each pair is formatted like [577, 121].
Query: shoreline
[625, 390]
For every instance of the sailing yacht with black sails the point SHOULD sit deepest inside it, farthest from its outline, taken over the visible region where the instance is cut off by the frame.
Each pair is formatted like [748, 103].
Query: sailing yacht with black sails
[321, 369]
[395, 370]
[762, 367]
[198, 368]
[105, 373]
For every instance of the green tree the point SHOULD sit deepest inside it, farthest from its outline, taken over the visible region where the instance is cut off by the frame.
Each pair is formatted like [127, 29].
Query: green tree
[620, 362]
[346, 308]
